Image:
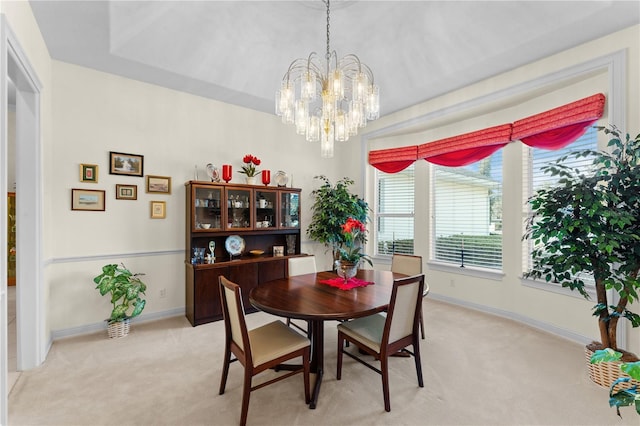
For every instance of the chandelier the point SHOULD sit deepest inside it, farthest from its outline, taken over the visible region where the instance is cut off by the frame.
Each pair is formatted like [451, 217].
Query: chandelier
[328, 101]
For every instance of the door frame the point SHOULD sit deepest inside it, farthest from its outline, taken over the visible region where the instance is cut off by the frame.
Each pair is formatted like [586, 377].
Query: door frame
[30, 313]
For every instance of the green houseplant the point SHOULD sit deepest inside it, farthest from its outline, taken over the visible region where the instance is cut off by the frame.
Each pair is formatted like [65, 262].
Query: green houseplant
[588, 225]
[125, 289]
[333, 205]
[620, 397]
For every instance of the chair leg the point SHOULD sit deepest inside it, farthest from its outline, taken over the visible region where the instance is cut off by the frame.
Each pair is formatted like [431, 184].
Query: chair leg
[339, 360]
[246, 393]
[416, 357]
[421, 323]
[384, 367]
[225, 370]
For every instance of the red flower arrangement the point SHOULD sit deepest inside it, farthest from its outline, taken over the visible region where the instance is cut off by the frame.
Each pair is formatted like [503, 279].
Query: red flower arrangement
[354, 233]
[250, 163]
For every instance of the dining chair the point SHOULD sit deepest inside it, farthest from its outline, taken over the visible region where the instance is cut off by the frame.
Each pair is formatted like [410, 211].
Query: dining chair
[384, 335]
[300, 266]
[410, 265]
[260, 348]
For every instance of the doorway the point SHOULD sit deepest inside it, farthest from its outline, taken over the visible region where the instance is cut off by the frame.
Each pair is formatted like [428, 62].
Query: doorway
[30, 339]
[11, 331]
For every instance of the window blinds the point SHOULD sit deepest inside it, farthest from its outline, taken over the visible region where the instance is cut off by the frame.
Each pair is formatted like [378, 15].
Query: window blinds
[467, 211]
[394, 215]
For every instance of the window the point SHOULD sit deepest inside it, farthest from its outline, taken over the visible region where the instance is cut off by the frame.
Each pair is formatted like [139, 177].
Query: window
[535, 179]
[467, 214]
[394, 212]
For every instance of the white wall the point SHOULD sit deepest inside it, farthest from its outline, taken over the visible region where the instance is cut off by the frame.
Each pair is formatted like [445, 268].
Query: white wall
[504, 99]
[95, 113]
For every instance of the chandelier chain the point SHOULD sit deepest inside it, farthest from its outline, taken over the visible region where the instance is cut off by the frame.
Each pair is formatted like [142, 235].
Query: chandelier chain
[328, 54]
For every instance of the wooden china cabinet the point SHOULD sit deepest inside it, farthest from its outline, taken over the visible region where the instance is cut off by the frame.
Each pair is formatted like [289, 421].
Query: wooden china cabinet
[248, 218]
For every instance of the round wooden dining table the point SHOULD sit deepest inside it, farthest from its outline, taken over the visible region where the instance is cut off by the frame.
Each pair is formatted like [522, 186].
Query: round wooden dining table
[305, 297]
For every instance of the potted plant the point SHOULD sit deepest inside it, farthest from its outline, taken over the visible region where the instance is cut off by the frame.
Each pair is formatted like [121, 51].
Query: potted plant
[621, 396]
[588, 225]
[249, 167]
[350, 254]
[125, 289]
[332, 206]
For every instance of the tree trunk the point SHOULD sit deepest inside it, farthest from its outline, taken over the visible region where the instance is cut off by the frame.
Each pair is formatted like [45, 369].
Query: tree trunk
[604, 319]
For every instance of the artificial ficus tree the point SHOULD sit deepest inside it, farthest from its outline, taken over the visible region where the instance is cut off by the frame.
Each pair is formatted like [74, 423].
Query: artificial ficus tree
[588, 224]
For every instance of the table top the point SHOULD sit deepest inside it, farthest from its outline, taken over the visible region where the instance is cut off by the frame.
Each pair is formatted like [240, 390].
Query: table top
[304, 297]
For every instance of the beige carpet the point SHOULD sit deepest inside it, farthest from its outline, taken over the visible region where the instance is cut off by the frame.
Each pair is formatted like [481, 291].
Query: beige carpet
[478, 370]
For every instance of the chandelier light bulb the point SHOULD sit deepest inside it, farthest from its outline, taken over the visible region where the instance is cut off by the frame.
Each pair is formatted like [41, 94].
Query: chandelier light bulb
[348, 97]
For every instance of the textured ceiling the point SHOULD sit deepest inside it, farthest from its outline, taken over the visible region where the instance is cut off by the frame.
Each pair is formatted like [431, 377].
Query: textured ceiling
[238, 51]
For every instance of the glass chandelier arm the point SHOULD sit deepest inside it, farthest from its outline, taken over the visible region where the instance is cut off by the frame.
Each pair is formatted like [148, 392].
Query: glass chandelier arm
[351, 63]
[301, 65]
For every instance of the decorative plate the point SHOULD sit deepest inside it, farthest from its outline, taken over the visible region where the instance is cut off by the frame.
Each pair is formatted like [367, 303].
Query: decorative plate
[281, 178]
[234, 245]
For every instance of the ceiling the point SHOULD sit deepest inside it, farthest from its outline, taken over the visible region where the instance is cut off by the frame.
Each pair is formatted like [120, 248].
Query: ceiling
[238, 51]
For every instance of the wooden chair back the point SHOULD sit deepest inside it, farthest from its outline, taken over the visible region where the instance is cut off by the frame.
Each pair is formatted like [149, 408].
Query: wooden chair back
[404, 312]
[301, 265]
[406, 264]
[235, 325]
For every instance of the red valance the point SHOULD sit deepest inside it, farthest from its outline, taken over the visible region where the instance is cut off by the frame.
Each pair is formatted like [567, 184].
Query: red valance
[393, 160]
[467, 148]
[558, 127]
[553, 129]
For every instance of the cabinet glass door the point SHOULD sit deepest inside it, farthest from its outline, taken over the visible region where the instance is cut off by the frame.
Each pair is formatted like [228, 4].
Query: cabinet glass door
[289, 210]
[207, 208]
[265, 206]
[239, 205]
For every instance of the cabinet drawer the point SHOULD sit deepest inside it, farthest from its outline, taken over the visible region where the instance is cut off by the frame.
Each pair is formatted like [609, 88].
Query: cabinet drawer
[207, 305]
[246, 276]
[273, 270]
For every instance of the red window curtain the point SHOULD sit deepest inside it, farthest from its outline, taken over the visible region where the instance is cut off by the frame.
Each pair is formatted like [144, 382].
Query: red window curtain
[553, 129]
[467, 148]
[558, 127]
[393, 160]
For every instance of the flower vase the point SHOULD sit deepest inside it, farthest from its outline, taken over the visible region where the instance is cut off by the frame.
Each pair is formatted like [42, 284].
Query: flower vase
[251, 180]
[346, 270]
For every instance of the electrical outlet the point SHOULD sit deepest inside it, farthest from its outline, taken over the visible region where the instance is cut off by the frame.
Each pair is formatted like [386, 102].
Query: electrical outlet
[163, 292]
[452, 283]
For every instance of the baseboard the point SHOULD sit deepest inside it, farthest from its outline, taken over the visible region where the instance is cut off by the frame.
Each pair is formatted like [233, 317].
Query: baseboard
[102, 325]
[549, 328]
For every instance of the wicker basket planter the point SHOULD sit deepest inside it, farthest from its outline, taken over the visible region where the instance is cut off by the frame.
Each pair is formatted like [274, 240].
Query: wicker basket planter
[118, 329]
[605, 373]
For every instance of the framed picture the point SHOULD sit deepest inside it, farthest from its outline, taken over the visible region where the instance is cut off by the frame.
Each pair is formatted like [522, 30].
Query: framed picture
[278, 250]
[126, 192]
[126, 164]
[87, 199]
[159, 184]
[158, 209]
[89, 173]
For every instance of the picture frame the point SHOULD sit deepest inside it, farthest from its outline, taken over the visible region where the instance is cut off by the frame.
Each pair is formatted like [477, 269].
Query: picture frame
[278, 251]
[121, 163]
[88, 199]
[126, 192]
[158, 184]
[158, 209]
[89, 173]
